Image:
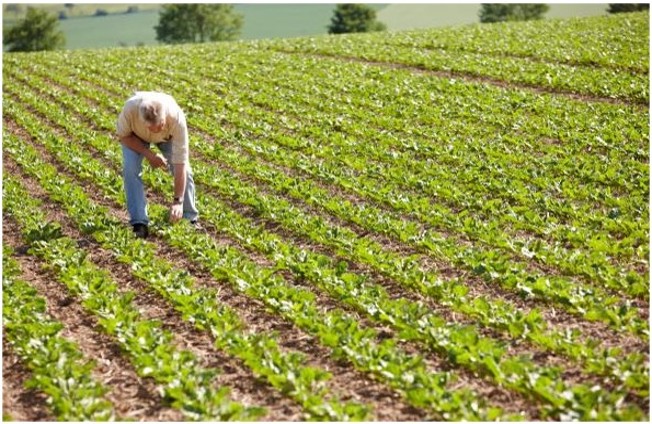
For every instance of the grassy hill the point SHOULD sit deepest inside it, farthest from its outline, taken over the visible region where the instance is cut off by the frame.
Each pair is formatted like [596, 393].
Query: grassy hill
[449, 224]
[401, 16]
[83, 30]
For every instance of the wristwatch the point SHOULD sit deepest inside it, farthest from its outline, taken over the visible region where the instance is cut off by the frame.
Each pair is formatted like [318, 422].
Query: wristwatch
[178, 201]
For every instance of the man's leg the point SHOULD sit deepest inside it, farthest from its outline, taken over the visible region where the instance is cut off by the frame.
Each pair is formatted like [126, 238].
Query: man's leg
[189, 206]
[132, 175]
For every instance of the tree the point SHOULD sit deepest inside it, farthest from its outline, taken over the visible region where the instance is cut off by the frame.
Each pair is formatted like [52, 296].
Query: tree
[627, 7]
[354, 18]
[39, 30]
[192, 23]
[500, 12]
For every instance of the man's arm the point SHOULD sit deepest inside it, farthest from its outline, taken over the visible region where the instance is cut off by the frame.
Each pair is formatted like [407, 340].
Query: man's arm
[179, 179]
[136, 144]
[176, 210]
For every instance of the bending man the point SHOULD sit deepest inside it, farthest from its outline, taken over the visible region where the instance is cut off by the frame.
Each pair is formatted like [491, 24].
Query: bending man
[155, 118]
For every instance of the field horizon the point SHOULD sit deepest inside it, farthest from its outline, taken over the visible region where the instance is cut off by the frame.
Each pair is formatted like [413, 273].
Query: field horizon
[264, 21]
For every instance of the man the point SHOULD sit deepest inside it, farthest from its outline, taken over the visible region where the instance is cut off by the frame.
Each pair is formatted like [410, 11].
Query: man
[155, 118]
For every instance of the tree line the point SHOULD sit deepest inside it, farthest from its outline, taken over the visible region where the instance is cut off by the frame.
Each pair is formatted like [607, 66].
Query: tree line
[199, 23]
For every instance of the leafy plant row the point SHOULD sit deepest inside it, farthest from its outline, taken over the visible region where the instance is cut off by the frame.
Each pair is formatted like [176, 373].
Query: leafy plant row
[286, 372]
[357, 343]
[578, 300]
[588, 267]
[336, 330]
[415, 176]
[256, 117]
[494, 173]
[496, 314]
[59, 369]
[568, 345]
[475, 266]
[592, 41]
[516, 216]
[351, 109]
[407, 169]
[592, 229]
[560, 77]
[184, 383]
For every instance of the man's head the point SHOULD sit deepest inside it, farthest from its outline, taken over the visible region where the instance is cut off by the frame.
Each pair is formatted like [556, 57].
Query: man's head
[153, 113]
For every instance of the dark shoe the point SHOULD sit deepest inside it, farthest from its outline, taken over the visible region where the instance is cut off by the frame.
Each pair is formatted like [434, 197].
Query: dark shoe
[141, 230]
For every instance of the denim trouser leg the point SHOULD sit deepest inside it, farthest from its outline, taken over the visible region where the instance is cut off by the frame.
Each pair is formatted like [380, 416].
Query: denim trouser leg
[132, 175]
[189, 207]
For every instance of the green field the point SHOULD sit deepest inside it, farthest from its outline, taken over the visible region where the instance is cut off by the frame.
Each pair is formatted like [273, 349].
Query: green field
[270, 20]
[261, 21]
[450, 224]
[120, 29]
[410, 16]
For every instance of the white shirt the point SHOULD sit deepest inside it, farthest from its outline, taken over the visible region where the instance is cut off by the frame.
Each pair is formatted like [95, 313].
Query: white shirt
[175, 129]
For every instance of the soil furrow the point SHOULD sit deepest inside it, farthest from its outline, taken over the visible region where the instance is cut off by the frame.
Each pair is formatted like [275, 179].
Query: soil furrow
[133, 397]
[346, 382]
[18, 402]
[423, 70]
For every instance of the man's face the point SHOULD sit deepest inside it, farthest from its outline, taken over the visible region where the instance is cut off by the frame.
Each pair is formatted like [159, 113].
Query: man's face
[156, 128]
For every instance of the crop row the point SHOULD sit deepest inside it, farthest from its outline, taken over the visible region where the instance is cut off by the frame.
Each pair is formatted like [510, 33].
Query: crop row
[518, 217]
[392, 166]
[59, 369]
[474, 263]
[557, 76]
[496, 314]
[336, 330]
[184, 383]
[437, 231]
[457, 192]
[575, 41]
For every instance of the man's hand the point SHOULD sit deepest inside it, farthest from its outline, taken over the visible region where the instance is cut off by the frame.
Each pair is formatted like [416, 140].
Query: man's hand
[138, 146]
[176, 212]
[157, 161]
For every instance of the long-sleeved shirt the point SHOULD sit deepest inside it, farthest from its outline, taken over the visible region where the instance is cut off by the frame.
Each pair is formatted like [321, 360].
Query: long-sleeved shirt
[175, 129]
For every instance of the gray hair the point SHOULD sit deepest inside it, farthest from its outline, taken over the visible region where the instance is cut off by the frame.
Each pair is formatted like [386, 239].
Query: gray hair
[152, 112]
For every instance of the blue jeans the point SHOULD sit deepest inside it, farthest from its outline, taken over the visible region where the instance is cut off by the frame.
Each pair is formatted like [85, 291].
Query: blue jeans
[132, 175]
